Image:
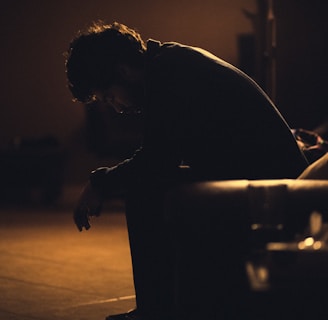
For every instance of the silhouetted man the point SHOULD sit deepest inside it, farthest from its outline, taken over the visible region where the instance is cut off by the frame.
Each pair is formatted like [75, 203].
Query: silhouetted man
[199, 111]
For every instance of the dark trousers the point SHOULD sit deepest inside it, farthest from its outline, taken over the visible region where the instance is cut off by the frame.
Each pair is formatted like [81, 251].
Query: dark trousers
[186, 264]
[152, 251]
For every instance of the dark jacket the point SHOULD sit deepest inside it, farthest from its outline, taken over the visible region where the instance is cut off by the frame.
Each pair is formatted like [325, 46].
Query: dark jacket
[203, 112]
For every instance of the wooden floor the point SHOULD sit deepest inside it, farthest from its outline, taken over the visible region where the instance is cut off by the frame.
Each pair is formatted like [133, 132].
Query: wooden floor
[49, 270]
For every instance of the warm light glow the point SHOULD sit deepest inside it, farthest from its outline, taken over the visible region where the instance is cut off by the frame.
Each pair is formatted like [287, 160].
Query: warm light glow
[308, 241]
[315, 223]
[256, 226]
[263, 274]
[317, 245]
[301, 245]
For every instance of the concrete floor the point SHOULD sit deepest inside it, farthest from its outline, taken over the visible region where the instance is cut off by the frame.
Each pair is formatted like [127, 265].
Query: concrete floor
[49, 270]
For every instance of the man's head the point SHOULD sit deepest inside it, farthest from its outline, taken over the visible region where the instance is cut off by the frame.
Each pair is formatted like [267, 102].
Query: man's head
[103, 57]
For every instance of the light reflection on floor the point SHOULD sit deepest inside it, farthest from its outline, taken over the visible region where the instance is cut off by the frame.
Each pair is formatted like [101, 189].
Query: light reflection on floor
[49, 270]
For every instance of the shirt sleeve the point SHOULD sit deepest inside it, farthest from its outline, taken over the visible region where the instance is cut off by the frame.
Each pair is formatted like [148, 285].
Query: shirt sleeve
[150, 165]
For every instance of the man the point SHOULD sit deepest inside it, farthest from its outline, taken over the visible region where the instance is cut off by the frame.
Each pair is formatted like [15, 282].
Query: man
[200, 113]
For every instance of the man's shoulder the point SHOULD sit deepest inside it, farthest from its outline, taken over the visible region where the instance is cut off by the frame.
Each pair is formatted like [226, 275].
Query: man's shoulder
[155, 47]
[182, 52]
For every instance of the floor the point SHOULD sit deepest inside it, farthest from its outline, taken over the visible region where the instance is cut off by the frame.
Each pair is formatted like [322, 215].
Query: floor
[50, 270]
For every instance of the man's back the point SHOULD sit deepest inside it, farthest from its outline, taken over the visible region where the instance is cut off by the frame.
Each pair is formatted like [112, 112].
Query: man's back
[215, 118]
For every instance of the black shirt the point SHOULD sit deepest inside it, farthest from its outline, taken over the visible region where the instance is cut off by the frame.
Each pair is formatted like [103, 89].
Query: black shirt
[203, 112]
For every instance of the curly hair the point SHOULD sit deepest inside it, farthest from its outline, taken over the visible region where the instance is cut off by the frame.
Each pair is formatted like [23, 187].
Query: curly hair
[93, 57]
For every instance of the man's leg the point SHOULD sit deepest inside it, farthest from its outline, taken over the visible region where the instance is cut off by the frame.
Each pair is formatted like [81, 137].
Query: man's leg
[151, 252]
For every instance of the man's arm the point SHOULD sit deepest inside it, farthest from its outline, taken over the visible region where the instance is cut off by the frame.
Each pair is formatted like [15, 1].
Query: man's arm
[103, 181]
[145, 166]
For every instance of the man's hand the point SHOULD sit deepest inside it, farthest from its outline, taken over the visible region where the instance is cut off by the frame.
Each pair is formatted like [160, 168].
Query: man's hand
[89, 204]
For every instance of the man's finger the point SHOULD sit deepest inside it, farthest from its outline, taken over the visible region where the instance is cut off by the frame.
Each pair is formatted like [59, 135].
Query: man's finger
[81, 219]
[85, 221]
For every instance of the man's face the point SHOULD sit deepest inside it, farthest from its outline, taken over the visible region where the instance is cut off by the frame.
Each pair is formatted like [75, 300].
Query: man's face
[128, 95]
[120, 98]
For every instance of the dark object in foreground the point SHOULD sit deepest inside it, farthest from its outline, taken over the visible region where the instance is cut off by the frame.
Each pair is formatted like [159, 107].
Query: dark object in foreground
[247, 247]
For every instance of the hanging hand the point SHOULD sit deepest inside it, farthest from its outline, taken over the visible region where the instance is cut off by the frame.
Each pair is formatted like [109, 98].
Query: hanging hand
[89, 204]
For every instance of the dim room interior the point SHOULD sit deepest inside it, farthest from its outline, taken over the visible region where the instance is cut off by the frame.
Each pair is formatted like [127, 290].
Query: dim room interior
[50, 144]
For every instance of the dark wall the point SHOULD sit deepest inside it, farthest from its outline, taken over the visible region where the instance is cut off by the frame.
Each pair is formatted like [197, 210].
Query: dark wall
[35, 33]
[300, 57]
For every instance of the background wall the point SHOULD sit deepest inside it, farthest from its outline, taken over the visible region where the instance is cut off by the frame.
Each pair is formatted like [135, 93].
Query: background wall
[35, 33]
